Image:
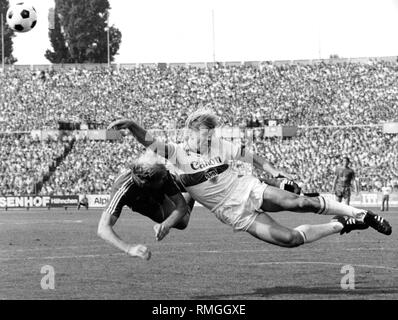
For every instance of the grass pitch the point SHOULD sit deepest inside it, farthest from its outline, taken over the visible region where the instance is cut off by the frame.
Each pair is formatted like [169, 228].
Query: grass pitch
[205, 261]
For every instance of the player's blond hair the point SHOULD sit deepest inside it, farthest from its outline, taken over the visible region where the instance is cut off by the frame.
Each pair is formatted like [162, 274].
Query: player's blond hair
[148, 167]
[202, 118]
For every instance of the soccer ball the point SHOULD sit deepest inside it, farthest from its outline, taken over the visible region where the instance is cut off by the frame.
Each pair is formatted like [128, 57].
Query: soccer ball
[21, 17]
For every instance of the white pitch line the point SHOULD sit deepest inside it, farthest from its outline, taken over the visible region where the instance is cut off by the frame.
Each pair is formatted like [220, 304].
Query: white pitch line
[104, 246]
[162, 244]
[274, 250]
[41, 222]
[53, 248]
[320, 263]
[65, 257]
[187, 252]
[192, 251]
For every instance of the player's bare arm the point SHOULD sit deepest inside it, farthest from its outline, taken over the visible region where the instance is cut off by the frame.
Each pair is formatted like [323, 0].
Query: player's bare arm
[141, 134]
[271, 181]
[106, 232]
[182, 208]
[262, 164]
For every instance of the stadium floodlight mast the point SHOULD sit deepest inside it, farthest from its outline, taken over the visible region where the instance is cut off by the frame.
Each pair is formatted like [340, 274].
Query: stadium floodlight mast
[2, 42]
[107, 37]
[213, 34]
[108, 42]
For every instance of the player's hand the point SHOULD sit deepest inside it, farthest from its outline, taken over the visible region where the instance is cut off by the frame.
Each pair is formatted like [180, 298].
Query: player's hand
[160, 231]
[291, 186]
[120, 124]
[139, 251]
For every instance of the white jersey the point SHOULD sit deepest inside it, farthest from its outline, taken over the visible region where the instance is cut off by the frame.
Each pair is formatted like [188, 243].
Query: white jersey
[208, 178]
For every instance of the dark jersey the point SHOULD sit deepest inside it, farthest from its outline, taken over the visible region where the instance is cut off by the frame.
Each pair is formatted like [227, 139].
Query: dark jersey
[125, 192]
[344, 177]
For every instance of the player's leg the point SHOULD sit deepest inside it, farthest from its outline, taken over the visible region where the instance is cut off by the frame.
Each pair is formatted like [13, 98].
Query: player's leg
[347, 196]
[338, 196]
[267, 229]
[275, 199]
[383, 203]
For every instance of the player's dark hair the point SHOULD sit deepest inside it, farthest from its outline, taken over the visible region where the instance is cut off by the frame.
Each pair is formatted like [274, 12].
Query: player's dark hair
[147, 168]
[149, 173]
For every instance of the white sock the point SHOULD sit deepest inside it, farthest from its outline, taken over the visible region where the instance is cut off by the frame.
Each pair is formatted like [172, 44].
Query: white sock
[332, 207]
[312, 233]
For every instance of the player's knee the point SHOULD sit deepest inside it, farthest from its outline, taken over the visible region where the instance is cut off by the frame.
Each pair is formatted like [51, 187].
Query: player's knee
[293, 239]
[304, 203]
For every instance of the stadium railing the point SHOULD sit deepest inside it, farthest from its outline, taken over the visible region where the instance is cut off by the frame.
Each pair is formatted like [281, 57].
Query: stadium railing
[117, 66]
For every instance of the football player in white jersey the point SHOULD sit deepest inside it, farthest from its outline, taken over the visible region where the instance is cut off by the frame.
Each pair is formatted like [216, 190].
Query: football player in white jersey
[243, 202]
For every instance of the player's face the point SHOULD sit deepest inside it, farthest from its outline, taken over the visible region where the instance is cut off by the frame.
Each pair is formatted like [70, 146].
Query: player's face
[346, 162]
[199, 139]
[157, 183]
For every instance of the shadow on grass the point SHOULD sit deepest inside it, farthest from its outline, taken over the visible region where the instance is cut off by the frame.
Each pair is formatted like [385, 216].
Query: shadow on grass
[295, 290]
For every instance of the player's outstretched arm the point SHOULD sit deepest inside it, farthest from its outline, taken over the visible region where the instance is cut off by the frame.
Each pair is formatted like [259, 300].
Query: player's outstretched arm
[106, 232]
[142, 135]
[262, 164]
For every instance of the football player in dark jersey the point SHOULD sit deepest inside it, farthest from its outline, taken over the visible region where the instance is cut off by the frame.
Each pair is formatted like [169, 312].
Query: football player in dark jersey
[149, 189]
[343, 180]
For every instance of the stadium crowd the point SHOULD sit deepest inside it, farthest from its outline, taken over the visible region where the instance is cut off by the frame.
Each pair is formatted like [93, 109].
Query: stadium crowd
[315, 153]
[92, 167]
[160, 98]
[312, 156]
[300, 94]
[26, 162]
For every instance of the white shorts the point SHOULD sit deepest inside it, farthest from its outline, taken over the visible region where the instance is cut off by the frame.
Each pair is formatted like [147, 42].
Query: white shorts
[242, 207]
